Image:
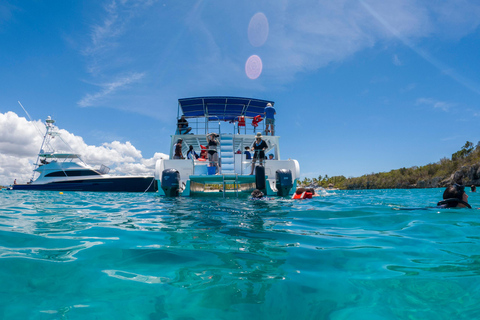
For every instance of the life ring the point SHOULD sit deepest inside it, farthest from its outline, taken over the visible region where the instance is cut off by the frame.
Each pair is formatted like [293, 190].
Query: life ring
[256, 120]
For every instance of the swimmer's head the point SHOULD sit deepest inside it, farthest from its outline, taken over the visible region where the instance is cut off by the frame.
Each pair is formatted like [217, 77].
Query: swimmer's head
[257, 194]
[456, 192]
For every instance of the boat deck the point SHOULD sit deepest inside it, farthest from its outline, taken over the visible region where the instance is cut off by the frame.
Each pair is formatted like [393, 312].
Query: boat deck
[220, 178]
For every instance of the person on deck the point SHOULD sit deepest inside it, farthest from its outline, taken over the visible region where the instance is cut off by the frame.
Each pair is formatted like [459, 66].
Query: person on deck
[182, 125]
[454, 196]
[191, 154]
[259, 147]
[212, 149]
[270, 156]
[270, 119]
[178, 150]
[248, 155]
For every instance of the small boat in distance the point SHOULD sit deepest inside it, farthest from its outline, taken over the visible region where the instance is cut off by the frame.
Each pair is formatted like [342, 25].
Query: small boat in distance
[235, 124]
[59, 171]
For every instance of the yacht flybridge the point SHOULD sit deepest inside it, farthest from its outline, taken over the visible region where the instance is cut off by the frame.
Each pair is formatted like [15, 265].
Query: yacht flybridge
[235, 123]
[61, 171]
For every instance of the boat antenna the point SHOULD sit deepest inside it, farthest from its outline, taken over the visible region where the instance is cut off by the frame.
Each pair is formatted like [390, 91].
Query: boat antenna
[38, 130]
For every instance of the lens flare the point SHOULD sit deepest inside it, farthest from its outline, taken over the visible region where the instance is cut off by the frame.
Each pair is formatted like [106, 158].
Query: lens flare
[258, 30]
[253, 67]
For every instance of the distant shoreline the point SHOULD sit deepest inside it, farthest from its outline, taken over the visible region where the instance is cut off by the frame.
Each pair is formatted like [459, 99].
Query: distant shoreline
[463, 168]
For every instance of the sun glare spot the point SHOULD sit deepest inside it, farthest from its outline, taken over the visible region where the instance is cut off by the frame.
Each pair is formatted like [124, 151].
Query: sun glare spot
[253, 67]
[258, 30]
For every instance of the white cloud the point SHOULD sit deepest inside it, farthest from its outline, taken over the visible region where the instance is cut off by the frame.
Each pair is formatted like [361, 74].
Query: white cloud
[439, 19]
[304, 39]
[6, 11]
[109, 88]
[442, 105]
[20, 143]
[18, 136]
[396, 61]
[203, 47]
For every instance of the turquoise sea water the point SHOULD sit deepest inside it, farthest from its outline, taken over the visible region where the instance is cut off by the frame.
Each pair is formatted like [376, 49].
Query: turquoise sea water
[343, 255]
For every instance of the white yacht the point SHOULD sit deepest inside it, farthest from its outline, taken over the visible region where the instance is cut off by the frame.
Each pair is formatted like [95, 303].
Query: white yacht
[235, 122]
[62, 171]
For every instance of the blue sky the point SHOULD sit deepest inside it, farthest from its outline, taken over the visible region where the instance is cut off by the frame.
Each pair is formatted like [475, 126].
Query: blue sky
[360, 86]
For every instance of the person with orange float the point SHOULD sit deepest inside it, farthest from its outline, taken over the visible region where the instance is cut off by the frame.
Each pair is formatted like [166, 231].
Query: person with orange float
[304, 193]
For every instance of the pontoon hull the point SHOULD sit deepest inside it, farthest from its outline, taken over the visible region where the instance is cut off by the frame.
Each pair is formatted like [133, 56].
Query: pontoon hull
[117, 184]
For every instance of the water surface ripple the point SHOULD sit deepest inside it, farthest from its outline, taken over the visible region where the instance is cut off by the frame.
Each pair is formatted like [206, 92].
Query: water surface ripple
[375, 254]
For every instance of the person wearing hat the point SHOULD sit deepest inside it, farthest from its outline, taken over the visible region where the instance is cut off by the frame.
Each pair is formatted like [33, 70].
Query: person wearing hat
[178, 150]
[270, 119]
[259, 146]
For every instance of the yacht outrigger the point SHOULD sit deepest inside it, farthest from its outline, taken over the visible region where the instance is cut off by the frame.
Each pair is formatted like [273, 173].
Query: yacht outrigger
[60, 171]
[235, 122]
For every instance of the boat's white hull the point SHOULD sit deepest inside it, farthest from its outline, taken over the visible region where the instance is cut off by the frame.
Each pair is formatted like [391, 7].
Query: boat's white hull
[194, 179]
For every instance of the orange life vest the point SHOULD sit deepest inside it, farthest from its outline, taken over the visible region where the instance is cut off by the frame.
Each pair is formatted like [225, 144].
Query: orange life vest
[241, 121]
[304, 195]
[203, 153]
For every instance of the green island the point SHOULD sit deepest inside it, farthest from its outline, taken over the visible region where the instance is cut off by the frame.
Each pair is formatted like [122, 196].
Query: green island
[463, 168]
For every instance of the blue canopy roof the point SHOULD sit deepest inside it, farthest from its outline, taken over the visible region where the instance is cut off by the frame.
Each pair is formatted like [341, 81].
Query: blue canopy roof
[222, 108]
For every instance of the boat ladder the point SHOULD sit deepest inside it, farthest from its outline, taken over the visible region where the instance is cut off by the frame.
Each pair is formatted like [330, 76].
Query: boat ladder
[233, 178]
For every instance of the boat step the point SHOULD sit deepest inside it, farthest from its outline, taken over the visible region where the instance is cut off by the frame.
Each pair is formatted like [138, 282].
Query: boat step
[227, 166]
[228, 178]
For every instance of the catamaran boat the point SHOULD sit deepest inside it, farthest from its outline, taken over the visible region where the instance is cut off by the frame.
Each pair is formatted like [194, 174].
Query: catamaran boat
[58, 171]
[235, 122]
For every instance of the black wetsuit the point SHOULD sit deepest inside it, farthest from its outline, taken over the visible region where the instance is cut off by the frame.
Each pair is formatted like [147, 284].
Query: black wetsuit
[212, 143]
[452, 203]
[258, 148]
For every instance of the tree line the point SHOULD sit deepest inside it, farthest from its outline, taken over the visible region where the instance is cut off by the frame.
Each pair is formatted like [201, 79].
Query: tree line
[430, 175]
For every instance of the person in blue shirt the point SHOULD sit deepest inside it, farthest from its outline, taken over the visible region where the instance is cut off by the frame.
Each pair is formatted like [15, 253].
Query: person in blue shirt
[182, 126]
[248, 155]
[270, 119]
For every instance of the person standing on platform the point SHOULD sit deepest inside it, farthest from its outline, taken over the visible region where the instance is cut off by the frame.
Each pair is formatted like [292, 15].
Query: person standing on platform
[178, 150]
[259, 146]
[270, 119]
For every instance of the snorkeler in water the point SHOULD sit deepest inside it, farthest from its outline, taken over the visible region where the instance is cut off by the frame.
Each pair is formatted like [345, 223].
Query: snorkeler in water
[454, 196]
[304, 193]
[258, 195]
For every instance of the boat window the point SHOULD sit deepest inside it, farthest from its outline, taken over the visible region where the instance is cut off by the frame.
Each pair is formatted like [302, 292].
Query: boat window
[73, 173]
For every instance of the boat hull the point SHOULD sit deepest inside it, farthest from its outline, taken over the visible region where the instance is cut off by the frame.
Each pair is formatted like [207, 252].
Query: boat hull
[117, 184]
